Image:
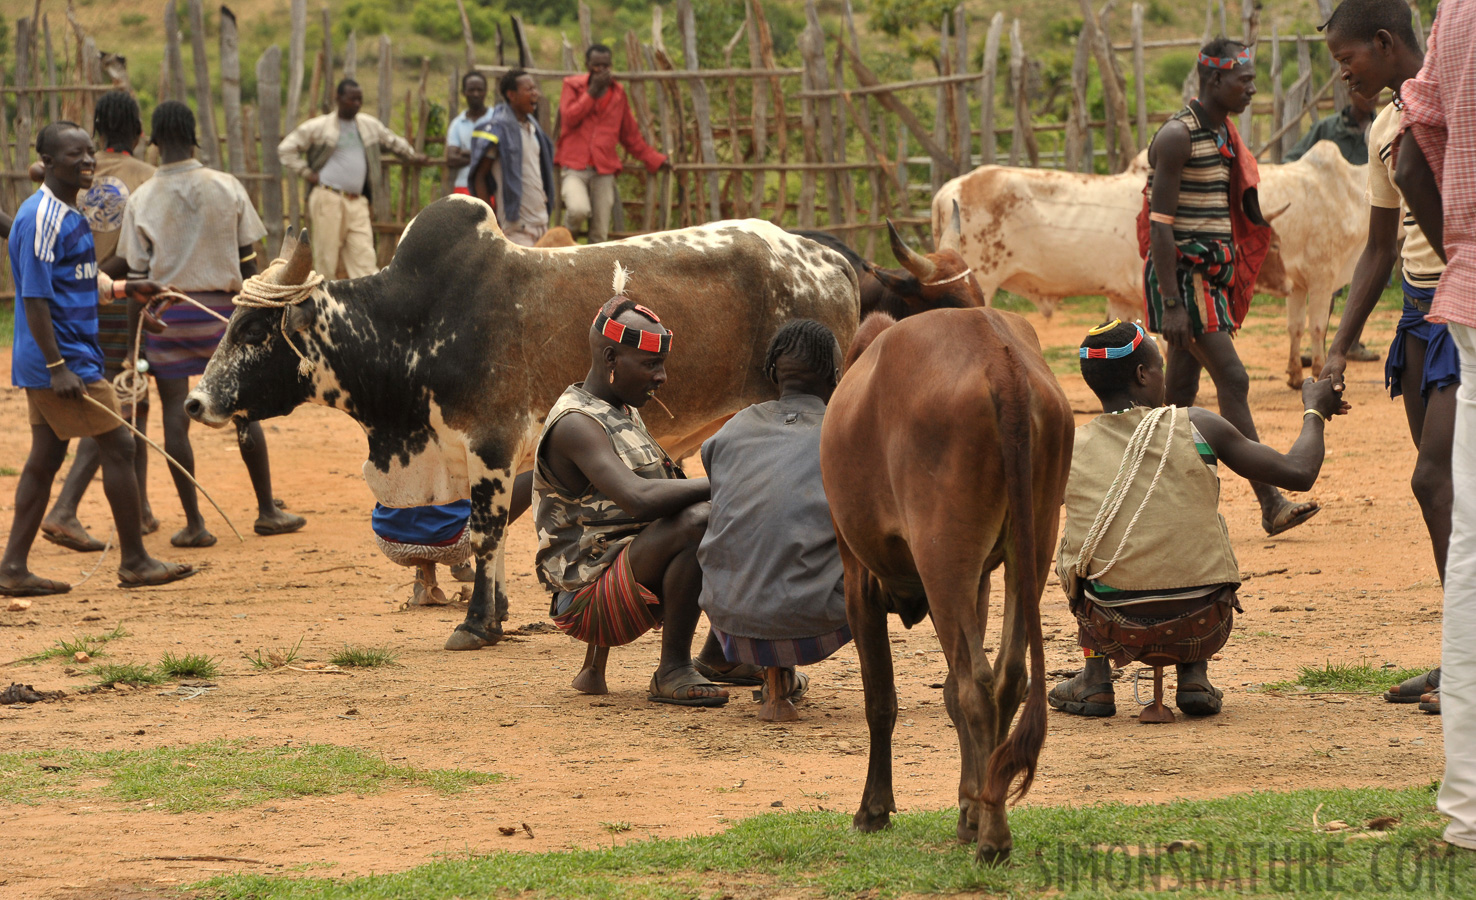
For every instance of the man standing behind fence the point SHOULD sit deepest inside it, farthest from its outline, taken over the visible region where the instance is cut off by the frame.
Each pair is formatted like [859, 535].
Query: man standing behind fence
[338, 154]
[594, 117]
[459, 132]
[512, 161]
[1203, 238]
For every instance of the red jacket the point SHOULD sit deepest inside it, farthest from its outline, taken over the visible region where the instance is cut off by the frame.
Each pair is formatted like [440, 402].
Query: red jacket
[589, 129]
[1251, 241]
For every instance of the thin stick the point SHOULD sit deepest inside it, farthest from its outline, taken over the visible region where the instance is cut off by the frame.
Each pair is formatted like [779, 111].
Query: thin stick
[102, 406]
[100, 557]
[662, 405]
[240, 859]
[191, 300]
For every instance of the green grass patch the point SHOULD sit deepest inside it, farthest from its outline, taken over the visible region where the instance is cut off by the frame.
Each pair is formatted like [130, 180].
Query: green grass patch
[1076, 851]
[190, 665]
[1063, 360]
[363, 657]
[109, 674]
[1362, 677]
[9, 470]
[7, 322]
[274, 659]
[219, 775]
[92, 645]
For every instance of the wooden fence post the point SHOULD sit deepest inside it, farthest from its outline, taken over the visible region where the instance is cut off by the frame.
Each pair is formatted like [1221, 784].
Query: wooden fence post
[1140, 78]
[987, 148]
[943, 112]
[174, 88]
[1017, 94]
[867, 78]
[759, 107]
[385, 100]
[230, 91]
[1297, 98]
[269, 106]
[204, 102]
[1120, 146]
[296, 59]
[1191, 80]
[965, 149]
[51, 96]
[642, 105]
[466, 37]
[1277, 97]
[384, 244]
[820, 81]
[701, 106]
[806, 211]
[351, 55]
[735, 179]
[1250, 35]
[586, 29]
[874, 153]
[1419, 29]
[326, 104]
[781, 114]
[1076, 116]
[1340, 88]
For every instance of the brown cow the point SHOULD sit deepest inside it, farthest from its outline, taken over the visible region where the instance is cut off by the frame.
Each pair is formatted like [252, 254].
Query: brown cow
[945, 452]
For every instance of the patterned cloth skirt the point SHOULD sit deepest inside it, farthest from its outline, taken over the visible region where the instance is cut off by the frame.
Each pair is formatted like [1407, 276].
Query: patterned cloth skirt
[187, 344]
[786, 652]
[448, 554]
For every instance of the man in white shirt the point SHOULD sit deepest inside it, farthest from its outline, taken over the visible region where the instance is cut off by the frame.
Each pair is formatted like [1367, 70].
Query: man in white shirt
[459, 132]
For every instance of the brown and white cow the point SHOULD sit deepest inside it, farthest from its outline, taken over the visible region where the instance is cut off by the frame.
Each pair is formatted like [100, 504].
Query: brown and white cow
[1046, 235]
[944, 453]
[451, 356]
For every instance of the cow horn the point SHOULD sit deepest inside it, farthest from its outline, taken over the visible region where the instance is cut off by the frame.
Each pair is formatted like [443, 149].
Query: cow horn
[920, 266]
[953, 234]
[1272, 218]
[300, 263]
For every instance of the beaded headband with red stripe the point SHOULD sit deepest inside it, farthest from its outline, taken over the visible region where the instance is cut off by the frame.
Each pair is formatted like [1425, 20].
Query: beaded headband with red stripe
[1112, 352]
[1243, 58]
[649, 341]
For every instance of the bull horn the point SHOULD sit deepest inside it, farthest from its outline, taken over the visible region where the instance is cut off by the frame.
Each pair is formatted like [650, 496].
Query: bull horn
[953, 234]
[920, 266]
[300, 263]
[1272, 218]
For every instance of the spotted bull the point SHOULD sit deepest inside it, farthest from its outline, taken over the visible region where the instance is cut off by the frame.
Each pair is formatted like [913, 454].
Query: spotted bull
[450, 357]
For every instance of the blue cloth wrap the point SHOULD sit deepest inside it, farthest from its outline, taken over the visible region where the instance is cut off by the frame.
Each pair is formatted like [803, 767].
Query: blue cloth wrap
[1442, 360]
[423, 525]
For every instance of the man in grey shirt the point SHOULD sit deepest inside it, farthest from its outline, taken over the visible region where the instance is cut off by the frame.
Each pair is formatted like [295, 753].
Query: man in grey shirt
[338, 153]
[771, 569]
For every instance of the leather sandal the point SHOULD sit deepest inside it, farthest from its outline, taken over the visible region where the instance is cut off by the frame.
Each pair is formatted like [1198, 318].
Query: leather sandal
[1085, 701]
[1412, 689]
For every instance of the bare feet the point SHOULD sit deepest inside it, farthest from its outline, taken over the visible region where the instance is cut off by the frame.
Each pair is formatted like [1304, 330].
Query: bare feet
[193, 536]
[66, 531]
[591, 677]
[278, 522]
[148, 521]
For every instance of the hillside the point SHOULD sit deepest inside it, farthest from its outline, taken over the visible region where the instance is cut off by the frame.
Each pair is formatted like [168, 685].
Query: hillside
[898, 36]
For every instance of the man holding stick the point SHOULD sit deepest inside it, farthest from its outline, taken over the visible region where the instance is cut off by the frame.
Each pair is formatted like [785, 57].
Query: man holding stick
[58, 361]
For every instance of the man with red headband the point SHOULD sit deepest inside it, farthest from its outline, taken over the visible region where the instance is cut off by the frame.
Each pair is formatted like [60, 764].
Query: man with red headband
[1203, 239]
[618, 524]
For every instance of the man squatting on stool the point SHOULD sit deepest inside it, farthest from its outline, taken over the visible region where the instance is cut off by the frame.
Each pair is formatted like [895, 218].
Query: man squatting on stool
[618, 523]
[1168, 553]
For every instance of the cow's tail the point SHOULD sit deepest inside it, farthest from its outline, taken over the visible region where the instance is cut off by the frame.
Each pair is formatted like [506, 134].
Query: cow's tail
[871, 327]
[1021, 749]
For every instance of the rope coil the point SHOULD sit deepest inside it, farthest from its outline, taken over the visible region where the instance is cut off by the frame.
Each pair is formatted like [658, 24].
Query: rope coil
[1127, 474]
[257, 293]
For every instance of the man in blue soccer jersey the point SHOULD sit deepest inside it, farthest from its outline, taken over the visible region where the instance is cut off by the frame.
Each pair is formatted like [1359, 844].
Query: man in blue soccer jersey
[58, 361]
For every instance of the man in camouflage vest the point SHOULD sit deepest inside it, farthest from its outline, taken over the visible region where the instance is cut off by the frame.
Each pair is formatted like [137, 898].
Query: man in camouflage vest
[618, 524]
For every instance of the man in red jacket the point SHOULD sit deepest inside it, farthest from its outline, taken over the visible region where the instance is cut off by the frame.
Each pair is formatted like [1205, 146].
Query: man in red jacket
[595, 116]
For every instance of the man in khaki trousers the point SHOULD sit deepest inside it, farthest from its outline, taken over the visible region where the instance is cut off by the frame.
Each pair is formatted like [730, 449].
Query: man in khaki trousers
[338, 154]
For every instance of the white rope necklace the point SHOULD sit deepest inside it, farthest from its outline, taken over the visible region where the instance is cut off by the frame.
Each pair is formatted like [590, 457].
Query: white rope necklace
[949, 280]
[1127, 474]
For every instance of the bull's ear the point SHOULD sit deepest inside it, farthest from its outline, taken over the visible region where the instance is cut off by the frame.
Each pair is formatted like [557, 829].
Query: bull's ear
[300, 317]
[900, 283]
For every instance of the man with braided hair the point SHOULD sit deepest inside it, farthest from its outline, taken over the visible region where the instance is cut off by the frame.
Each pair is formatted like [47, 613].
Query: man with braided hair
[618, 523]
[772, 581]
[117, 125]
[194, 228]
[1145, 557]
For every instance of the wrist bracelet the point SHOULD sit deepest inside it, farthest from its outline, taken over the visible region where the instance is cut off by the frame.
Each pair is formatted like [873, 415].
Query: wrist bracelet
[1313, 412]
[53, 365]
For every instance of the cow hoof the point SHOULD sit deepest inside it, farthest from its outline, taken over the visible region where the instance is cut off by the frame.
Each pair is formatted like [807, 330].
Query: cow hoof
[467, 637]
[968, 832]
[868, 822]
[990, 855]
[1294, 381]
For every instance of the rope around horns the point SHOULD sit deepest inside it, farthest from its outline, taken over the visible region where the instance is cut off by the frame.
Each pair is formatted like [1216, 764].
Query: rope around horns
[258, 293]
[1137, 449]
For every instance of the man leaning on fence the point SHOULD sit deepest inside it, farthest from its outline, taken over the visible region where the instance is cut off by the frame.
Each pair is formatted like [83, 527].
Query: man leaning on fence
[594, 118]
[338, 154]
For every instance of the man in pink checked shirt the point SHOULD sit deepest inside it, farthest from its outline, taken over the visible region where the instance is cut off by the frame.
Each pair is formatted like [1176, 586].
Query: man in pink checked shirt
[1437, 174]
[594, 118]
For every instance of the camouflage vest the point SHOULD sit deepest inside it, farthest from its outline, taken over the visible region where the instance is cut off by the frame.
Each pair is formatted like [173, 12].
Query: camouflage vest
[579, 536]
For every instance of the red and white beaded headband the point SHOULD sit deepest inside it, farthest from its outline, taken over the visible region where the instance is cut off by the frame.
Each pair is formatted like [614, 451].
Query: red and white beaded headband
[641, 339]
[1243, 58]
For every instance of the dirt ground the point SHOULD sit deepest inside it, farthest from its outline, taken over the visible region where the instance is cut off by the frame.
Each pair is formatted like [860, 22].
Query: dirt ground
[1356, 583]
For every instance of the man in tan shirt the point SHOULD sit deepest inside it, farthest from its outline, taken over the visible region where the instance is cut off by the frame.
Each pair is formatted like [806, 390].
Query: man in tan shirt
[338, 154]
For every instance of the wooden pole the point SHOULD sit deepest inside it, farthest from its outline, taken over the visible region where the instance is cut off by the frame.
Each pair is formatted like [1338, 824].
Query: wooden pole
[1076, 117]
[642, 104]
[566, 52]
[204, 101]
[269, 105]
[1120, 146]
[805, 214]
[667, 147]
[759, 106]
[497, 43]
[586, 29]
[1191, 80]
[1310, 105]
[824, 112]
[1017, 93]
[740, 196]
[315, 84]
[230, 91]
[701, 106]
[466, 37]
[1419, 29]
[453, 105]
[51, 111]
[1250, 20]
[8, 188]
[250, 155]
[842, 129]
[173, 56]
[987, 140]
[351, 55]
[1140, 77]
[326, 103]
[380, 202]
[1340, 88]
[296, 59]
[781, 114]
[1277, 97]
[1297, 99]
[944, 125]
[963, 147]
[868, 78]
[862, 115]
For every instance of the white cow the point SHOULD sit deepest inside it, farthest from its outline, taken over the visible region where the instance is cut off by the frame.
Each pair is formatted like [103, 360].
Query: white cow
[1047, 234]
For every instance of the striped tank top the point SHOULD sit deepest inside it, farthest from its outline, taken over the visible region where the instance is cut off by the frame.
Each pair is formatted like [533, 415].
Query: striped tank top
[1204, 187]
